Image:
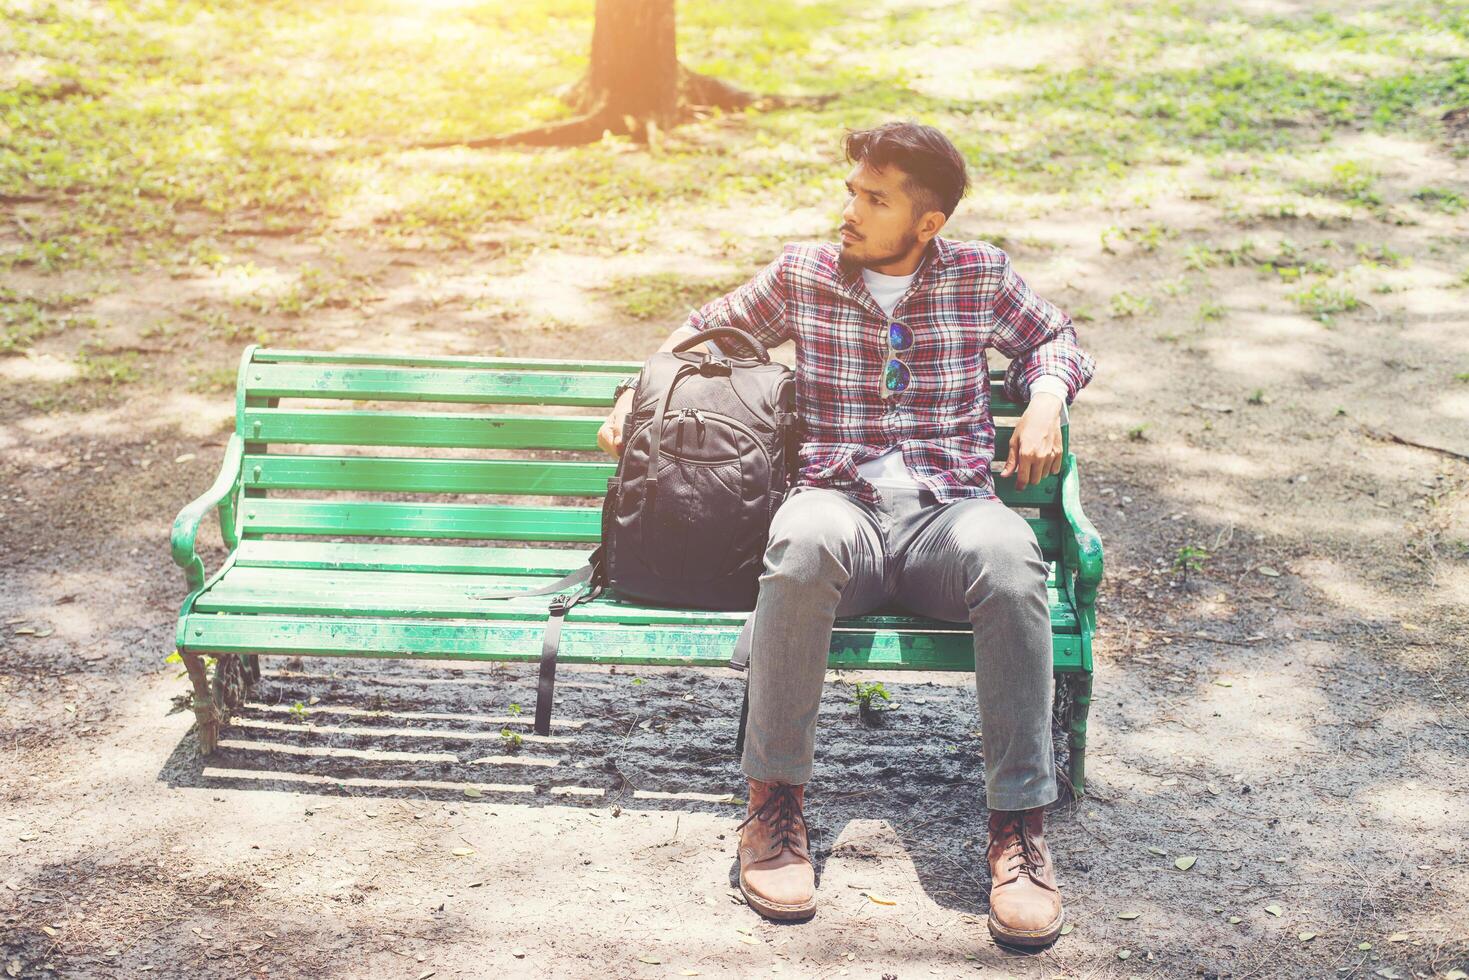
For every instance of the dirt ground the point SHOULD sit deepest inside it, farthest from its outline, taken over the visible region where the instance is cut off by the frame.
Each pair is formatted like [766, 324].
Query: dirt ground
[1293, 716]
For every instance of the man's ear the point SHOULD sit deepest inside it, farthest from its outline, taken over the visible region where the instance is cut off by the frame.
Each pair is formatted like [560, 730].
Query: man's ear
[930, 225]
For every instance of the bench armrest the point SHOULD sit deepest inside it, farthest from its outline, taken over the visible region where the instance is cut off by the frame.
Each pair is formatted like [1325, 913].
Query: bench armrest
[222, 496]
[1083, 545]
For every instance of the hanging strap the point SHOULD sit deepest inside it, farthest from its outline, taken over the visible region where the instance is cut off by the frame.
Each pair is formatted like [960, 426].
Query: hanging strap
[740, 661]
[550, 646]
[589, 579]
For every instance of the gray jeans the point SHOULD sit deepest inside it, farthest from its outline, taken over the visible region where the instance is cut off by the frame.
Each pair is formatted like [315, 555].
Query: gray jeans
[968, 560]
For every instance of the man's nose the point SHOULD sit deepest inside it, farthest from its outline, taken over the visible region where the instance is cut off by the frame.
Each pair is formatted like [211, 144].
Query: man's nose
[849, 213]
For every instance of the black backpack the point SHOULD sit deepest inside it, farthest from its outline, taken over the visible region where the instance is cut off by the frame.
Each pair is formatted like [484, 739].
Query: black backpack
[709, 451]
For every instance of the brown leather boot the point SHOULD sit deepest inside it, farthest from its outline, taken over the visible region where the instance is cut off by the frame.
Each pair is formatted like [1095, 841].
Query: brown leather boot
[1025, 902]
[776, 874]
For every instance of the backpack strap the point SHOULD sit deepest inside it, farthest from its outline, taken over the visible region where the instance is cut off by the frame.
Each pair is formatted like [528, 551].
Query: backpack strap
[740, 661]
[655, 449]
[590, 578]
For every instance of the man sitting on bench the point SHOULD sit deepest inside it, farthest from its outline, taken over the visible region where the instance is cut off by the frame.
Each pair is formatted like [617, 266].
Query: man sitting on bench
[895, 501]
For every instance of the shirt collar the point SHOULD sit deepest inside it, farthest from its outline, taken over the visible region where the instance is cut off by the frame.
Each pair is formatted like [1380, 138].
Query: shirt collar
[938, 254]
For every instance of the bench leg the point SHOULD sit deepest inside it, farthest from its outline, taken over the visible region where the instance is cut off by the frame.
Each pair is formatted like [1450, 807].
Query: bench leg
[205, 713]
[1081, 702]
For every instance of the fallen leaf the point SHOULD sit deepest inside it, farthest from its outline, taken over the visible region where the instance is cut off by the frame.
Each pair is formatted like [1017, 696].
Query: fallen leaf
[426, 974]
[1184, 863]
[463, 851]
[879, 899]
[28, 836]
[1273, 909]
[1389, 973]
[1065, 931]
[1364, 946]
[1158, 851]
[1268, 572]
[649, 959]
[519, 954]
[184, 458]
[472, 793]
[49, 931]
[1213, 790]
[1398, 937]
[688, 973]
[1123, 954]
[1171, 781]
[25, 631]
[1456, 975]
[1305, 937]
[1128, 915]
[1235, 920]
[749, 940]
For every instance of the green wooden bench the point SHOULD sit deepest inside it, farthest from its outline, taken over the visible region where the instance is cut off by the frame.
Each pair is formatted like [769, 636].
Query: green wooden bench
[357, 525]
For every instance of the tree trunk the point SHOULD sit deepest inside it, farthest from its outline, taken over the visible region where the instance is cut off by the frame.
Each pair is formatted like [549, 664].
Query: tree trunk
[634, 85]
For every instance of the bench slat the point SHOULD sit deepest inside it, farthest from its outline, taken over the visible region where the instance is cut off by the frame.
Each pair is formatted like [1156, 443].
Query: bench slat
[278, 356]
[389, 474]
[469, 559]
[512, 522]
[398, 520]
[431, 595]
[431, 385]
[397, 475]
[433, 430]
[707, 646]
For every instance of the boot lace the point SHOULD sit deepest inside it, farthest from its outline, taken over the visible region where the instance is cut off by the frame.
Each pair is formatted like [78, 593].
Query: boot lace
[787, 812]
[1022, 849]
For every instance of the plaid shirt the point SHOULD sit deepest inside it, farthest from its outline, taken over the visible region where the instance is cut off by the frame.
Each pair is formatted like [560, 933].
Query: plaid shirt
[965, 299]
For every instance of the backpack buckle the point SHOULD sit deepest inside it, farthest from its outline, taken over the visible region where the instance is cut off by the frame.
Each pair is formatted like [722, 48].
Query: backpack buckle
[715, 365]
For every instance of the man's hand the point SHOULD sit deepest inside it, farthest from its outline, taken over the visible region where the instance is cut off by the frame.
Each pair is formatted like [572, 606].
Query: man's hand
[1035, 445]
[609, 436]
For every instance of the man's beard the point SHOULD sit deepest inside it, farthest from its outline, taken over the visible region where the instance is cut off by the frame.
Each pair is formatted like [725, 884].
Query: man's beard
[872, 261]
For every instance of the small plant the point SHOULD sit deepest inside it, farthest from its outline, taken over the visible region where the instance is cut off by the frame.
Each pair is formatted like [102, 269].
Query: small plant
[1199, 257]
[1378, 255]
[1190, 559]
[514, 709]
[1136, 433]
[1442, 199]
[866, 695]
[1257, 397]
[1126, 304]
[1321, 301]
[298, 712]
[108, 369]
[1211, 311]
[512, 740]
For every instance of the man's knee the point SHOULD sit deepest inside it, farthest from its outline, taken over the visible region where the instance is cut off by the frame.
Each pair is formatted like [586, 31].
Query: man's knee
[1002, 556]
[814, 534]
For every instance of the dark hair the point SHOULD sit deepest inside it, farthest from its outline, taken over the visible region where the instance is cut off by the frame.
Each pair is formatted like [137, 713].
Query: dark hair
[936, 176]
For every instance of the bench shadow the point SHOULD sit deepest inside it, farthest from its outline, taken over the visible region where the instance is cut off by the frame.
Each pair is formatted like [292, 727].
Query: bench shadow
[650, 739]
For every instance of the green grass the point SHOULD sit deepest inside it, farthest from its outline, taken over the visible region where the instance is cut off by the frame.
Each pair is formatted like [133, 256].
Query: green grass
[27, 318]
[667, 295]
[139, 124]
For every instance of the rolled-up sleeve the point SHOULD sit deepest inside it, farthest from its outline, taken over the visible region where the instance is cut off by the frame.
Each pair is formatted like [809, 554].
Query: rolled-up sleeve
[758, 307]
[1037, 336]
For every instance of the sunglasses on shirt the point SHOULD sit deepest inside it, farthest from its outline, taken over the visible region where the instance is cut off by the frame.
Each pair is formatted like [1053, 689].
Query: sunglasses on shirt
[895, 374]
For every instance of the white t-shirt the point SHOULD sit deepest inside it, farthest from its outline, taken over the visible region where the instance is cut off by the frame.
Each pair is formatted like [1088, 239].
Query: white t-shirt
[889, 470]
